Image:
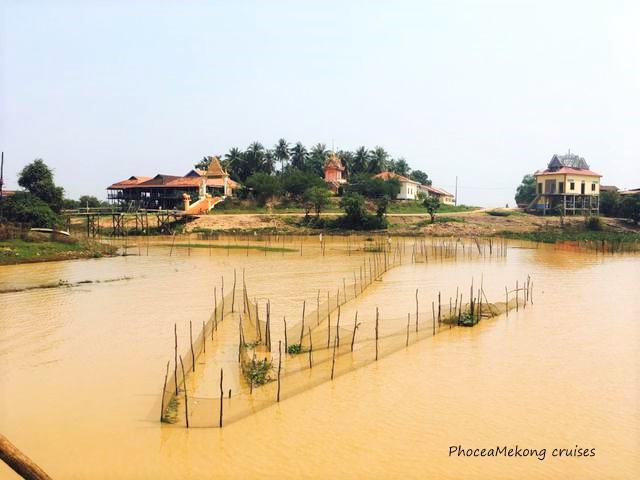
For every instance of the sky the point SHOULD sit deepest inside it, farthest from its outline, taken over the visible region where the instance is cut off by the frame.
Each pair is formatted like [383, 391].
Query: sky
[484, 90]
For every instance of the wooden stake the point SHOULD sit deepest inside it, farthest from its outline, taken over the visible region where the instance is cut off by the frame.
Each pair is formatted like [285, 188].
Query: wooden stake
[193, 355]
[186, 402]
[310, 348]
[175, 355]
[408, 321]
[19, 462]
[355, 327]
[233, 292]
[222, 395]
[279, 367]
[333, 362]
[304, 305]
[164, 389]
[417, 310]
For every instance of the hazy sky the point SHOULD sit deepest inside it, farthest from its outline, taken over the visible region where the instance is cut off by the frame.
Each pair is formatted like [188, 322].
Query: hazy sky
[484, 90]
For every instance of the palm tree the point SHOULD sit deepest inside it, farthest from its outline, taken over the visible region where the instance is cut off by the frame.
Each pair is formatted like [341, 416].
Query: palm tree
[347, 161]
[317, 158]
[298, 156]
[269, 163]
[234, 163]
[282, 153]
[254, 159]
[378, 160]
[360, 161]
[401, 167]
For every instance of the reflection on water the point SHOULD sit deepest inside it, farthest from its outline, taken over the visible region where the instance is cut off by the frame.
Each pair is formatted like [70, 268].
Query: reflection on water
[81, 370]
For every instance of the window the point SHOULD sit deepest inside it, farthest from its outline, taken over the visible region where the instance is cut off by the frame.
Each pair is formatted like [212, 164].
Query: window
[539, 188]
[572, 186]
[593, 187]
[561, 187]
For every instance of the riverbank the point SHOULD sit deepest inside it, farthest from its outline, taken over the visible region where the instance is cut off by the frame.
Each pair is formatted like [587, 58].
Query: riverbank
[13, 251]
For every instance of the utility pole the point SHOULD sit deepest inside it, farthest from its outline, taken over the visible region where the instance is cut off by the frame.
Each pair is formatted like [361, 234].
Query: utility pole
[456, 196]
[1, 174]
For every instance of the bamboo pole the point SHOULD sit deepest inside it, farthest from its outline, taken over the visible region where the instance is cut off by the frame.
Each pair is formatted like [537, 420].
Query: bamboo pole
[355, 327]
[233, 292]
[377, 324]
[310, 348]
[433, 311]
[333, 362]
[338, 326]
[286, 345]
[222, 395]
[19, 462]
[304, 306]
[175, 355]
[193, 355]
[279, 367]
[164, 390]
[186, 402]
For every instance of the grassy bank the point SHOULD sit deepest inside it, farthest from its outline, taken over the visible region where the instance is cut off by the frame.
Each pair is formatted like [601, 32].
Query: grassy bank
[14, 251]
[573, 235]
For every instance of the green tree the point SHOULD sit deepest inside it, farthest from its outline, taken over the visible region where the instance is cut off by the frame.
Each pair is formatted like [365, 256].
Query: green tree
[282, 153]
[235, 164]
[432, 204]
[378, 160]
[295, 182]
[609, 203]
[89, 201]
[360, 161]
[316, 198]
[526, 191]
[299, 156]
[269, 163]
[346, 158]
[317, 159]
[25, 207]
[353, 206]
[264, 186]
[401, 167]
[420, 177]
[37, 179]
[630, 208]
[203, 164]
[372, 187]
[254, 157]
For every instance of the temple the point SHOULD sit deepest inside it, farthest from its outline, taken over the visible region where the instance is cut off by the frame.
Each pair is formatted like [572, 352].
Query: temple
[333, 173]
[196, 192]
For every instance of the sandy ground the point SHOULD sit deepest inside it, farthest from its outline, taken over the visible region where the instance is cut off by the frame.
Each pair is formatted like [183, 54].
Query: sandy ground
[477, 222]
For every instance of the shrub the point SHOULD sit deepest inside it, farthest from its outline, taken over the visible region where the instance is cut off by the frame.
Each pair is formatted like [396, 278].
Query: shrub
[24, 207]
[294, 349]
[264, 186]
[593, 223]
[257, 372]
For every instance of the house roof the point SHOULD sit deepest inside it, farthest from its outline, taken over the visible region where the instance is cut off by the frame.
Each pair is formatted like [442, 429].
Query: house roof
[129, 182]
[390, 175]
[333, 161]
[608, 188]
[633, 191]
[569, 171]
[569, 160]
[215, 168]
[436, 190]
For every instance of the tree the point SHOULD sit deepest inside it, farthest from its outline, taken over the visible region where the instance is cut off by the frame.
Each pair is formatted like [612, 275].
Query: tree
[269, 163]
[299, 156]
[282, 153]
[372, 187]
[295, 182]
[316, 198]
[378, 160]
[346, 158]
[432, 204]
[630, 208]
[401, 167]
[264, 186]
[526, 191]
[25, 207]
[203, 164]
[360, 161]
[37, 178]
[89, 201]
[317, 159]
[254, 157]
[420, 177]
[353, 206]
[609, 203]
[235, 164]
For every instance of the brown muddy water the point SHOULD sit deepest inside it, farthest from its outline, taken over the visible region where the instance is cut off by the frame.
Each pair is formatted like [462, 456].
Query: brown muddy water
[82, 368]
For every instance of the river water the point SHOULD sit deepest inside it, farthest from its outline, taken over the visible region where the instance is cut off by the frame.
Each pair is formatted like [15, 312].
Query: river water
[82, 367]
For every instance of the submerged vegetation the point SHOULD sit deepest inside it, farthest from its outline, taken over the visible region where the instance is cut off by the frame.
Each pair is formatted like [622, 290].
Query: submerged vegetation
[574, 235]
[18, 250]
[294, 349]
[257, 372]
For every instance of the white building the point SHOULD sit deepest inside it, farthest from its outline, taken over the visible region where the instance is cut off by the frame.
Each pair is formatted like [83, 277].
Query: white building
[408, 188]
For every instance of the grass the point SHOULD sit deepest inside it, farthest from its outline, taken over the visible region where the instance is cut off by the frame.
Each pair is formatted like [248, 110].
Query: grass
[575, 235]
[261, 248]
[424, 223]
[415, 207]
[294, 349]
[23, 251]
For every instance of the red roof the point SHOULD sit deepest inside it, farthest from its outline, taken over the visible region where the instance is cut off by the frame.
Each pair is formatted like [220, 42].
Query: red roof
[436, 190]
[569, 171]
[390, 175]
[169, 181]
[129, 182]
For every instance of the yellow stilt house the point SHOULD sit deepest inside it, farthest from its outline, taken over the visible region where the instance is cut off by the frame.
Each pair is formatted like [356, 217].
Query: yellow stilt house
[567, 187]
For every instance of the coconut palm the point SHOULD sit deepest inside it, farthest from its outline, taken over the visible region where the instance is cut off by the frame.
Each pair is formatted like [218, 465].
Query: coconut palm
[234, 163]
[360, 161]
[299, 156]
[378, 160]
[282, 153]
[269, 162]
[254, 159]
[317, 158]
[401, 167]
